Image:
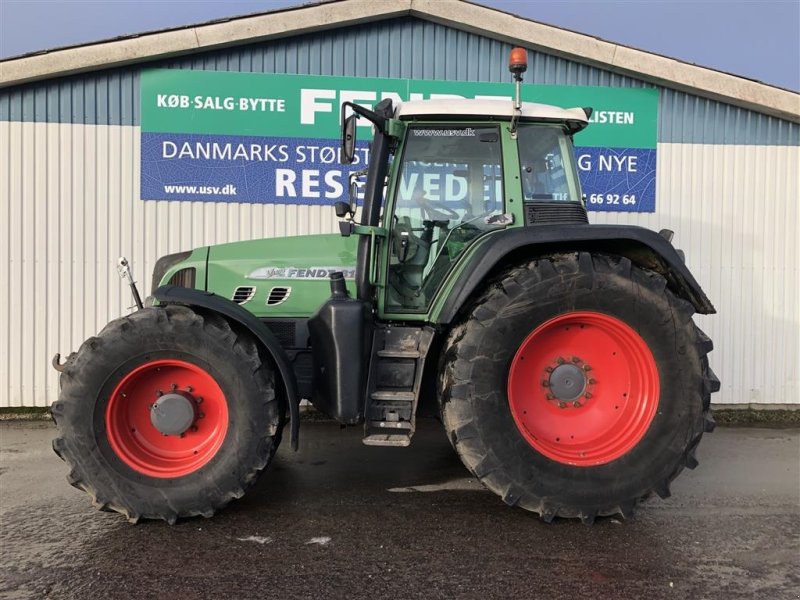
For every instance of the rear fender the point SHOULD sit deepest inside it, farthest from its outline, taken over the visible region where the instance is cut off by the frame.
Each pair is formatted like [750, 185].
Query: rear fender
[171, 294]
[644, 247]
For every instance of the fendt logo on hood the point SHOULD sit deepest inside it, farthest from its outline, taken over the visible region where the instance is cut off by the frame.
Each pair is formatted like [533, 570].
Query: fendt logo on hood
[301, 272]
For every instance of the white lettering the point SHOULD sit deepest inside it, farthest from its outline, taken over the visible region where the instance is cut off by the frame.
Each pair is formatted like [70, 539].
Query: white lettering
[612, 117]
[450, 184]
[335, 188]
[309, 107]
[311, 183]
[284, 183]
[173, 149]
[430, 183]
[407, 187]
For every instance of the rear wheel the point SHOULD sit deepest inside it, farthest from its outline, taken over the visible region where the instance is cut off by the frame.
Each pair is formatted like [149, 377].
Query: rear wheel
[576, 386]
[167, 413]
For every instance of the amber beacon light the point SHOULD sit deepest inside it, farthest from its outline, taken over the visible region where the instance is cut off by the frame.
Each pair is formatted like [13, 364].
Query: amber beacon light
[518, 62]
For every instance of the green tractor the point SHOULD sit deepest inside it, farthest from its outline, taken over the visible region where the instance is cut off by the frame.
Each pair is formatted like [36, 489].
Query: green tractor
[560, 356]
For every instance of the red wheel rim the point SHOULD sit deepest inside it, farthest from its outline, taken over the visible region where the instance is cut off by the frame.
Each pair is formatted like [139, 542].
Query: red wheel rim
[583, 388]
[137, 442]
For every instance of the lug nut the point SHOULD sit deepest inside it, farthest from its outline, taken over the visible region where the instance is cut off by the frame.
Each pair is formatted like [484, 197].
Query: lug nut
[587, 368]
[159, 393]
[592, 381]
[189, 389]
[560, 360]
[174, 386]
[199, 399]
[545, 383]
[194, 428]
[576, 404]
[549, 396]
[587, 395]
[562, 405]
[183, 435]
[201, 415]
[576, 360]
[548, 369]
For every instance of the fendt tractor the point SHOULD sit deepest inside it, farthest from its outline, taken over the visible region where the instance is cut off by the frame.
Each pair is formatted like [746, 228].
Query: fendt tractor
[561, 357]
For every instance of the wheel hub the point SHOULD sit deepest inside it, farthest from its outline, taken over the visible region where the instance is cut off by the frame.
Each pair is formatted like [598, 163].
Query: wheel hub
[597, 391]
[174, 413]
[567, 382]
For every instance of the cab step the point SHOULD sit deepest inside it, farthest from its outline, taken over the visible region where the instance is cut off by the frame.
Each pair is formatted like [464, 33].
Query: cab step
[395, 379]
[388, 439]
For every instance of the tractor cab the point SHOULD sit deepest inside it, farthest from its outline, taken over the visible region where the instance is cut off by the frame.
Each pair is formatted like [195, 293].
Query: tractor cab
[461, 173]
[458, 172]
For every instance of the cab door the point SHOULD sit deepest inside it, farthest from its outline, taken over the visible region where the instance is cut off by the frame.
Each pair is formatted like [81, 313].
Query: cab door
[447, 192]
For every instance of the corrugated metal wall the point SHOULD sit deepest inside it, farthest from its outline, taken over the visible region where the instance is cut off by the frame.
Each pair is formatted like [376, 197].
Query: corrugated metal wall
[404, 47]
[69, 189]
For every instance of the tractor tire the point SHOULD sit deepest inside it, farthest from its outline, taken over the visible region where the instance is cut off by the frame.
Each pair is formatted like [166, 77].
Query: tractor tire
[215, 398]
[576, 386]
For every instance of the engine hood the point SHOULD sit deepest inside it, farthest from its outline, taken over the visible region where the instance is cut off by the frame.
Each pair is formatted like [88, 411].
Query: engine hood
[281, 277]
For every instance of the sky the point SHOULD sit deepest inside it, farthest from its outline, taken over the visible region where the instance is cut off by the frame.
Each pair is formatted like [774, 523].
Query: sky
[758, 39]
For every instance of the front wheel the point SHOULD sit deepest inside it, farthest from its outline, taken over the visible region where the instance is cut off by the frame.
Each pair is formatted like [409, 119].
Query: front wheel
[167, 413]
[577, 386]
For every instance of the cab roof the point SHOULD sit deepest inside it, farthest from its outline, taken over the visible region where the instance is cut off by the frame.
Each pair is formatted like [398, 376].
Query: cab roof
[447, 107]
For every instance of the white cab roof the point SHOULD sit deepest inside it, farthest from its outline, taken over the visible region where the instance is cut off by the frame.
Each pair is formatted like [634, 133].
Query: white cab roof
[491, 108]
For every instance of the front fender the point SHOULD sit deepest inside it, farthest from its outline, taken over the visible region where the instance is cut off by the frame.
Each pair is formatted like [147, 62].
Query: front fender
[171, 294]
[642, 246]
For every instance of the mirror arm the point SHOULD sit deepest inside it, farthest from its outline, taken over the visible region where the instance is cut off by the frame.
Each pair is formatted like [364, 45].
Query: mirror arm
[374, 118]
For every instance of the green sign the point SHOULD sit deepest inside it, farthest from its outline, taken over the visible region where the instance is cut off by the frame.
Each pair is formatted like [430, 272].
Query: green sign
[303, 106]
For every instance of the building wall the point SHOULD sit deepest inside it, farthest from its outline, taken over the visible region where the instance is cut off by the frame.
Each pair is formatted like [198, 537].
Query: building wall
[69, 187]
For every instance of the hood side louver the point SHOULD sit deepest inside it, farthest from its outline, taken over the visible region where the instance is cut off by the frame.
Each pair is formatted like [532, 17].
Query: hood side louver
[278, 295]
[243, 294]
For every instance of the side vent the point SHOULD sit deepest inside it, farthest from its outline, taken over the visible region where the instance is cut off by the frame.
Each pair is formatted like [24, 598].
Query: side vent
[183, 278]
[537, 213]
[278, 295]
[243, 294]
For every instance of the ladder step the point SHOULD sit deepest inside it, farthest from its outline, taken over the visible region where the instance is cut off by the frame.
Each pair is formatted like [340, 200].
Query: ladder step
[390, 395]
[390, 425]
[387, 439]
[388, 353]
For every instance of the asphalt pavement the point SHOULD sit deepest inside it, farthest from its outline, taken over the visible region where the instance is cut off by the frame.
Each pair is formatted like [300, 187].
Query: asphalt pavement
[341, 520]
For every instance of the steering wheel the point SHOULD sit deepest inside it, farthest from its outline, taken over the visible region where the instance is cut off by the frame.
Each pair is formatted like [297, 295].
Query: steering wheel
[436, 212]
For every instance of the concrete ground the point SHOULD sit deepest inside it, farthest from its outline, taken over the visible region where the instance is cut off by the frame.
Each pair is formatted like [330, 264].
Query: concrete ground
[341, 520]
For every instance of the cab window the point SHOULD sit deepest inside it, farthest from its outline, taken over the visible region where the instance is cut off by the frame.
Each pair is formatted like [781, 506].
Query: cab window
[547, 168]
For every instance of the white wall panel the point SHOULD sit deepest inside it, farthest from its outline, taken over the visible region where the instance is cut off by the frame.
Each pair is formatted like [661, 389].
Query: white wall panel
[69, 206]
[734, 210]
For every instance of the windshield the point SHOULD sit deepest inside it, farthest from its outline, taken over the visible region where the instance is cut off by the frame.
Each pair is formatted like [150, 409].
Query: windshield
[547, 165]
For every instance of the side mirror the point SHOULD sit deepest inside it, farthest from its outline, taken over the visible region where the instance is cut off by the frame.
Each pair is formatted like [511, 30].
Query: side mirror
[345, 209]
[349, 139]
[353, 196]
[342, 209]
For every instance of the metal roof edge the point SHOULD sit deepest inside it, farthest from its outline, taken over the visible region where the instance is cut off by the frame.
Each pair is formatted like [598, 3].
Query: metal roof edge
[458, 14]
[654, 68]
[208, 36]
